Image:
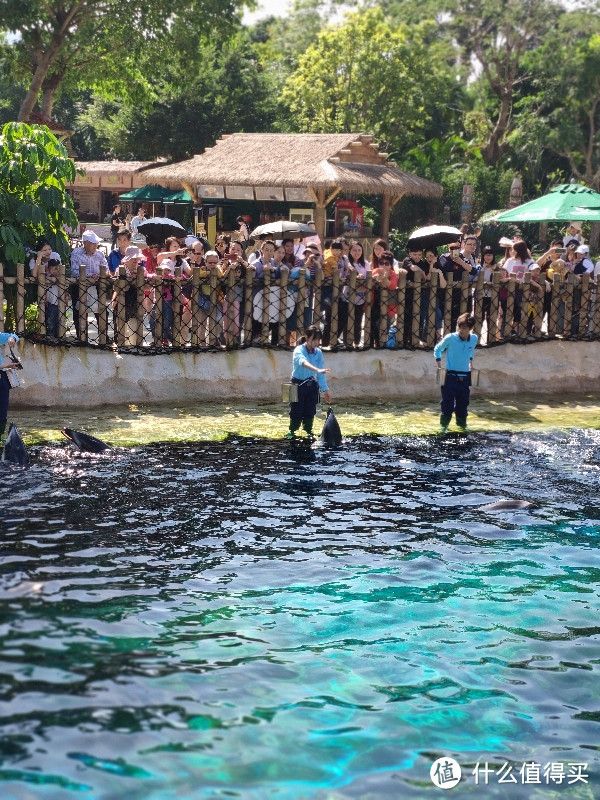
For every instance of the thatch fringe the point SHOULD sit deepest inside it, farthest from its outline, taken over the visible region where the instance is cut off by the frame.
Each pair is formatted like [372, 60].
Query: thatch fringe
[348, 161]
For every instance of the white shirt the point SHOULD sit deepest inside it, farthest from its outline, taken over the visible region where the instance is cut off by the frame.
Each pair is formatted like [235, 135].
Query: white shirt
[93, 262]
[516, 267]
[133, 225]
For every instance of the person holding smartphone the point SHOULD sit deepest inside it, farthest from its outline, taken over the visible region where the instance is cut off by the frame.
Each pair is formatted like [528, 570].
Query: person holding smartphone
[458, 264]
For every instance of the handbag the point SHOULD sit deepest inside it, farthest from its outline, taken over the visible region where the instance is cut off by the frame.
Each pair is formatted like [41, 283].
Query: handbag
[289, 392]
[13, 378]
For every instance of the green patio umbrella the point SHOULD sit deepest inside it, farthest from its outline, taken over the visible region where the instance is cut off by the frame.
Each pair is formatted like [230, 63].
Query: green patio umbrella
[178, 198]
[569, 201]
[147, 194]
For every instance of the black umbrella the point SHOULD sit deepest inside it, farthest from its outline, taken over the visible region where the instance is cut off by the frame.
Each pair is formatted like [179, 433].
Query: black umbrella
[285, 229]
[157, 229]
[433, 236]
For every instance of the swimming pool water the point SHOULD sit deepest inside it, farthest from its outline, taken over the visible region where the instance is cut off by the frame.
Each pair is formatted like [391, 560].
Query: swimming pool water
[250, 619]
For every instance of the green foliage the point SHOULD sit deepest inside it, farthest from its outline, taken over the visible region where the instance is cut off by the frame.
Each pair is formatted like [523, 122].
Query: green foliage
[88, 43]
[31, 318]
[367, 76]
[226, 92]
[563, 101]
[34, 169]
[371, 217]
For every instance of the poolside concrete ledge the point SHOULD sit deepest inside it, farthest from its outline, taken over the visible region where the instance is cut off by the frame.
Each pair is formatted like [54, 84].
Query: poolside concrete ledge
[75, 377]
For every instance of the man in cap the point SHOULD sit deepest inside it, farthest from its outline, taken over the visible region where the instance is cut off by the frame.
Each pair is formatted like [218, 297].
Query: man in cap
[92, 259]
[583, 263]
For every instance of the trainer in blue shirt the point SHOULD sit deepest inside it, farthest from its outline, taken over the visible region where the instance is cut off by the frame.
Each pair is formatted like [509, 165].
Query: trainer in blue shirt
[6, 362]
[456, 391]
[308, 374]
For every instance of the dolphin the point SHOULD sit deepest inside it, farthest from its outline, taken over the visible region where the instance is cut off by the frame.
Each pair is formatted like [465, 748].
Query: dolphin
[15, 451]
[331, 435]
[507, 505]
[85, 442]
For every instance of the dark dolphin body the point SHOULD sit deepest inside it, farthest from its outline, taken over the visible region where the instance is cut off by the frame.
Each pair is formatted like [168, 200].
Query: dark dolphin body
[331, 435]
[507, 505]
[15, 451]
[85, 442]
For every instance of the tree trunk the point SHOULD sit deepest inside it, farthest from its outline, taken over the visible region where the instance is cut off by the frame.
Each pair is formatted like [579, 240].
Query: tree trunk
[594, 236]
[49, 90]
[39, 76]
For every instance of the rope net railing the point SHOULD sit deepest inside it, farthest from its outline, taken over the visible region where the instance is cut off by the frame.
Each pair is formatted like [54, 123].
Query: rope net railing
[155, 315]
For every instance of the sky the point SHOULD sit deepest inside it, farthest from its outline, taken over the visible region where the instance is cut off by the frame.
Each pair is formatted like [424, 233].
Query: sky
[278, 8]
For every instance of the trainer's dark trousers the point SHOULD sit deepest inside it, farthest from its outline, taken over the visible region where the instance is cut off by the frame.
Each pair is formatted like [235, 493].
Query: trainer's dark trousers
[456, 393]
[4, 397]
[305, 409]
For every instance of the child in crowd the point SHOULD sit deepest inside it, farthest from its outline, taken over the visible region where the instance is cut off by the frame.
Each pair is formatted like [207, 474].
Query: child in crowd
[456, 390]
[308, 374]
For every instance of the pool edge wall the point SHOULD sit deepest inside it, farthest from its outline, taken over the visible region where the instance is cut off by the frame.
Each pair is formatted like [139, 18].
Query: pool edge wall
[86, 378]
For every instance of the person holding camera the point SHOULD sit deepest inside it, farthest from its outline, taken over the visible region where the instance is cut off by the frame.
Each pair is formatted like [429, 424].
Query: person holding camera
[234, 262]
[459, 264]
[12, 362]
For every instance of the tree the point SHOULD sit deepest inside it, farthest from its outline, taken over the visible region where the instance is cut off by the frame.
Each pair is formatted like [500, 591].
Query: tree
[563, 105]
[34, 171]
[367, 76]
[93, 40]
[193, 105]
[498, 35]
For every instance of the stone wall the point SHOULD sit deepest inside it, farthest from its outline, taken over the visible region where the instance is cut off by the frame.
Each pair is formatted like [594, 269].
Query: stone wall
[82, 377]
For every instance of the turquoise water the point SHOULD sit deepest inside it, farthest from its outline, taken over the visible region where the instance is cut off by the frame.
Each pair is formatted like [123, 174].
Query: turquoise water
[251, 620]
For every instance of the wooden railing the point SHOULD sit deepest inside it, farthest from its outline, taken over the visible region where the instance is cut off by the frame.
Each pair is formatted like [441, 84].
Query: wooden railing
[151, 314]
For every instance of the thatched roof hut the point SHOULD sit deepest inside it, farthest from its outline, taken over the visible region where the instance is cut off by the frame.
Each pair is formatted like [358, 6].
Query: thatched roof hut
[325, 164]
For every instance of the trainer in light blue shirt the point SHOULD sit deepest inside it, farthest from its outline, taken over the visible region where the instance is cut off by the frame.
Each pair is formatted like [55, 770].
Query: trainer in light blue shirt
[459, 350]
[301, 354]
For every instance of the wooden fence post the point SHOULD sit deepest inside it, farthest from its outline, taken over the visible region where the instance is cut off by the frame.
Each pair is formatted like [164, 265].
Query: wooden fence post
[20, 308]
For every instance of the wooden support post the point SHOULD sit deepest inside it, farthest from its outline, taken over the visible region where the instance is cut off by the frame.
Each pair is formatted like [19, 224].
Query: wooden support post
[416, 311]
[62, 302]
[368, 308]
[82, 303]
[2, 298]
[119, 308]
[248, 306]
[302, 298]
[493, 332]
[41, 301]
[176, 307]
[20, 309]
[335, 307]
[213, 325]
[266, 294]
[229, 322]
[105, 288]
[283, 296]
[431, 328]
[348, 334]
[385, 216]
[139, 306]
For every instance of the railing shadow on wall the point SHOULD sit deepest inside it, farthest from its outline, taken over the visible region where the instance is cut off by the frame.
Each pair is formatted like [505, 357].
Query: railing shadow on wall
[147, 315]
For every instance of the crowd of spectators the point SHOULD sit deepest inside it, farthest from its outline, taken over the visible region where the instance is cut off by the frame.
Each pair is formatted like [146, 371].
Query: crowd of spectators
[218, 310]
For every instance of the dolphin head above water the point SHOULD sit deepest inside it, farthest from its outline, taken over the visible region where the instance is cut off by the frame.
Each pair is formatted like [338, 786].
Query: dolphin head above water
[85, 442]
[331, 435]
[14, 451]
